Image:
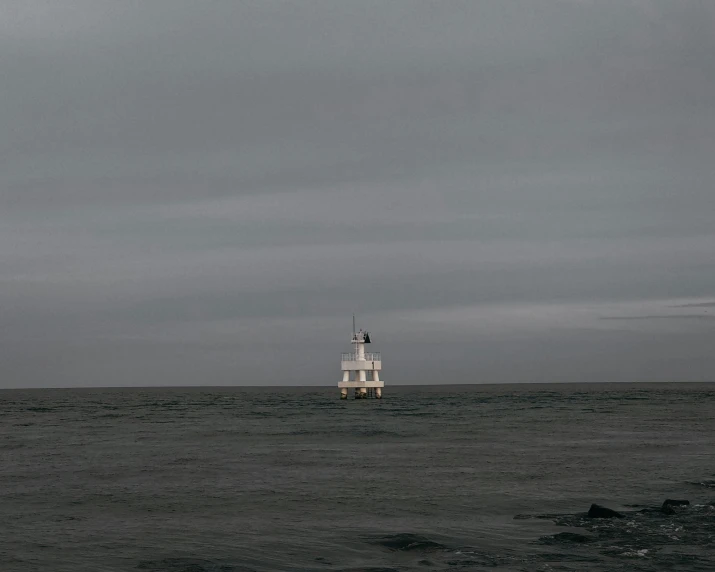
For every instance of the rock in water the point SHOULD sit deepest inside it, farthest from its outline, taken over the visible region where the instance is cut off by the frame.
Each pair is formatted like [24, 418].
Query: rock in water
[598, 511]
[668, 505]
[571, 537]
[671, 502]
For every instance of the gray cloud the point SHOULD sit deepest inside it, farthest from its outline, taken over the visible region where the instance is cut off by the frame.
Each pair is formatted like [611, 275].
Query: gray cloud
[660, 317]
[205, 193]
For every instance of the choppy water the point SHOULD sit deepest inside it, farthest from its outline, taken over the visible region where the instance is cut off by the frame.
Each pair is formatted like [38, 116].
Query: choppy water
[432, 478]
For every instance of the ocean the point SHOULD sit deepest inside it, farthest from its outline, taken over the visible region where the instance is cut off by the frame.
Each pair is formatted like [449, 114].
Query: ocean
[469, 477]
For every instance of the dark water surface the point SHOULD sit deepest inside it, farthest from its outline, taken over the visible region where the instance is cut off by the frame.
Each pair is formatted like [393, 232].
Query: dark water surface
[429, 478]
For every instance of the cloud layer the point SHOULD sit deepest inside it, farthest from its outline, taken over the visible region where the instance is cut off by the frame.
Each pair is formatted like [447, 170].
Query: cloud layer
[195, 194]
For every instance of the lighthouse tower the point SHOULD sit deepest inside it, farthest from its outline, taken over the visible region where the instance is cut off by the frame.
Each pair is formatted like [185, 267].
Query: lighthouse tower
[361, 369]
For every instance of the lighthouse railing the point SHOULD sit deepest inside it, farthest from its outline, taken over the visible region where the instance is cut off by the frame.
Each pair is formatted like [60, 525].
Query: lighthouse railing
[369, 356]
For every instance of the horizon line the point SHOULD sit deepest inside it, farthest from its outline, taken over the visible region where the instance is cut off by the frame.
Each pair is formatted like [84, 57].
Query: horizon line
[456, 384]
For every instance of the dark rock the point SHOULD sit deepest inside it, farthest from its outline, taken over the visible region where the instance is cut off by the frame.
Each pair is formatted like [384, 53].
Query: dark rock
[598, 511]
[672, 502]
[669, 504]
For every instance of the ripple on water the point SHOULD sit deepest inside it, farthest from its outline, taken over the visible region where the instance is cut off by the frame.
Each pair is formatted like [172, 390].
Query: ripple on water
[187, 565]
[407, 542]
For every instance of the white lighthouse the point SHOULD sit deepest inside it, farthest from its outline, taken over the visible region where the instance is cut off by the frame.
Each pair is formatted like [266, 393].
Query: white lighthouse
[361, 369]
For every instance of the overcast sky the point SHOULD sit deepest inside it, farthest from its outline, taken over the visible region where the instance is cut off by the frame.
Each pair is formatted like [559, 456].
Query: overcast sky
[502, 190]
